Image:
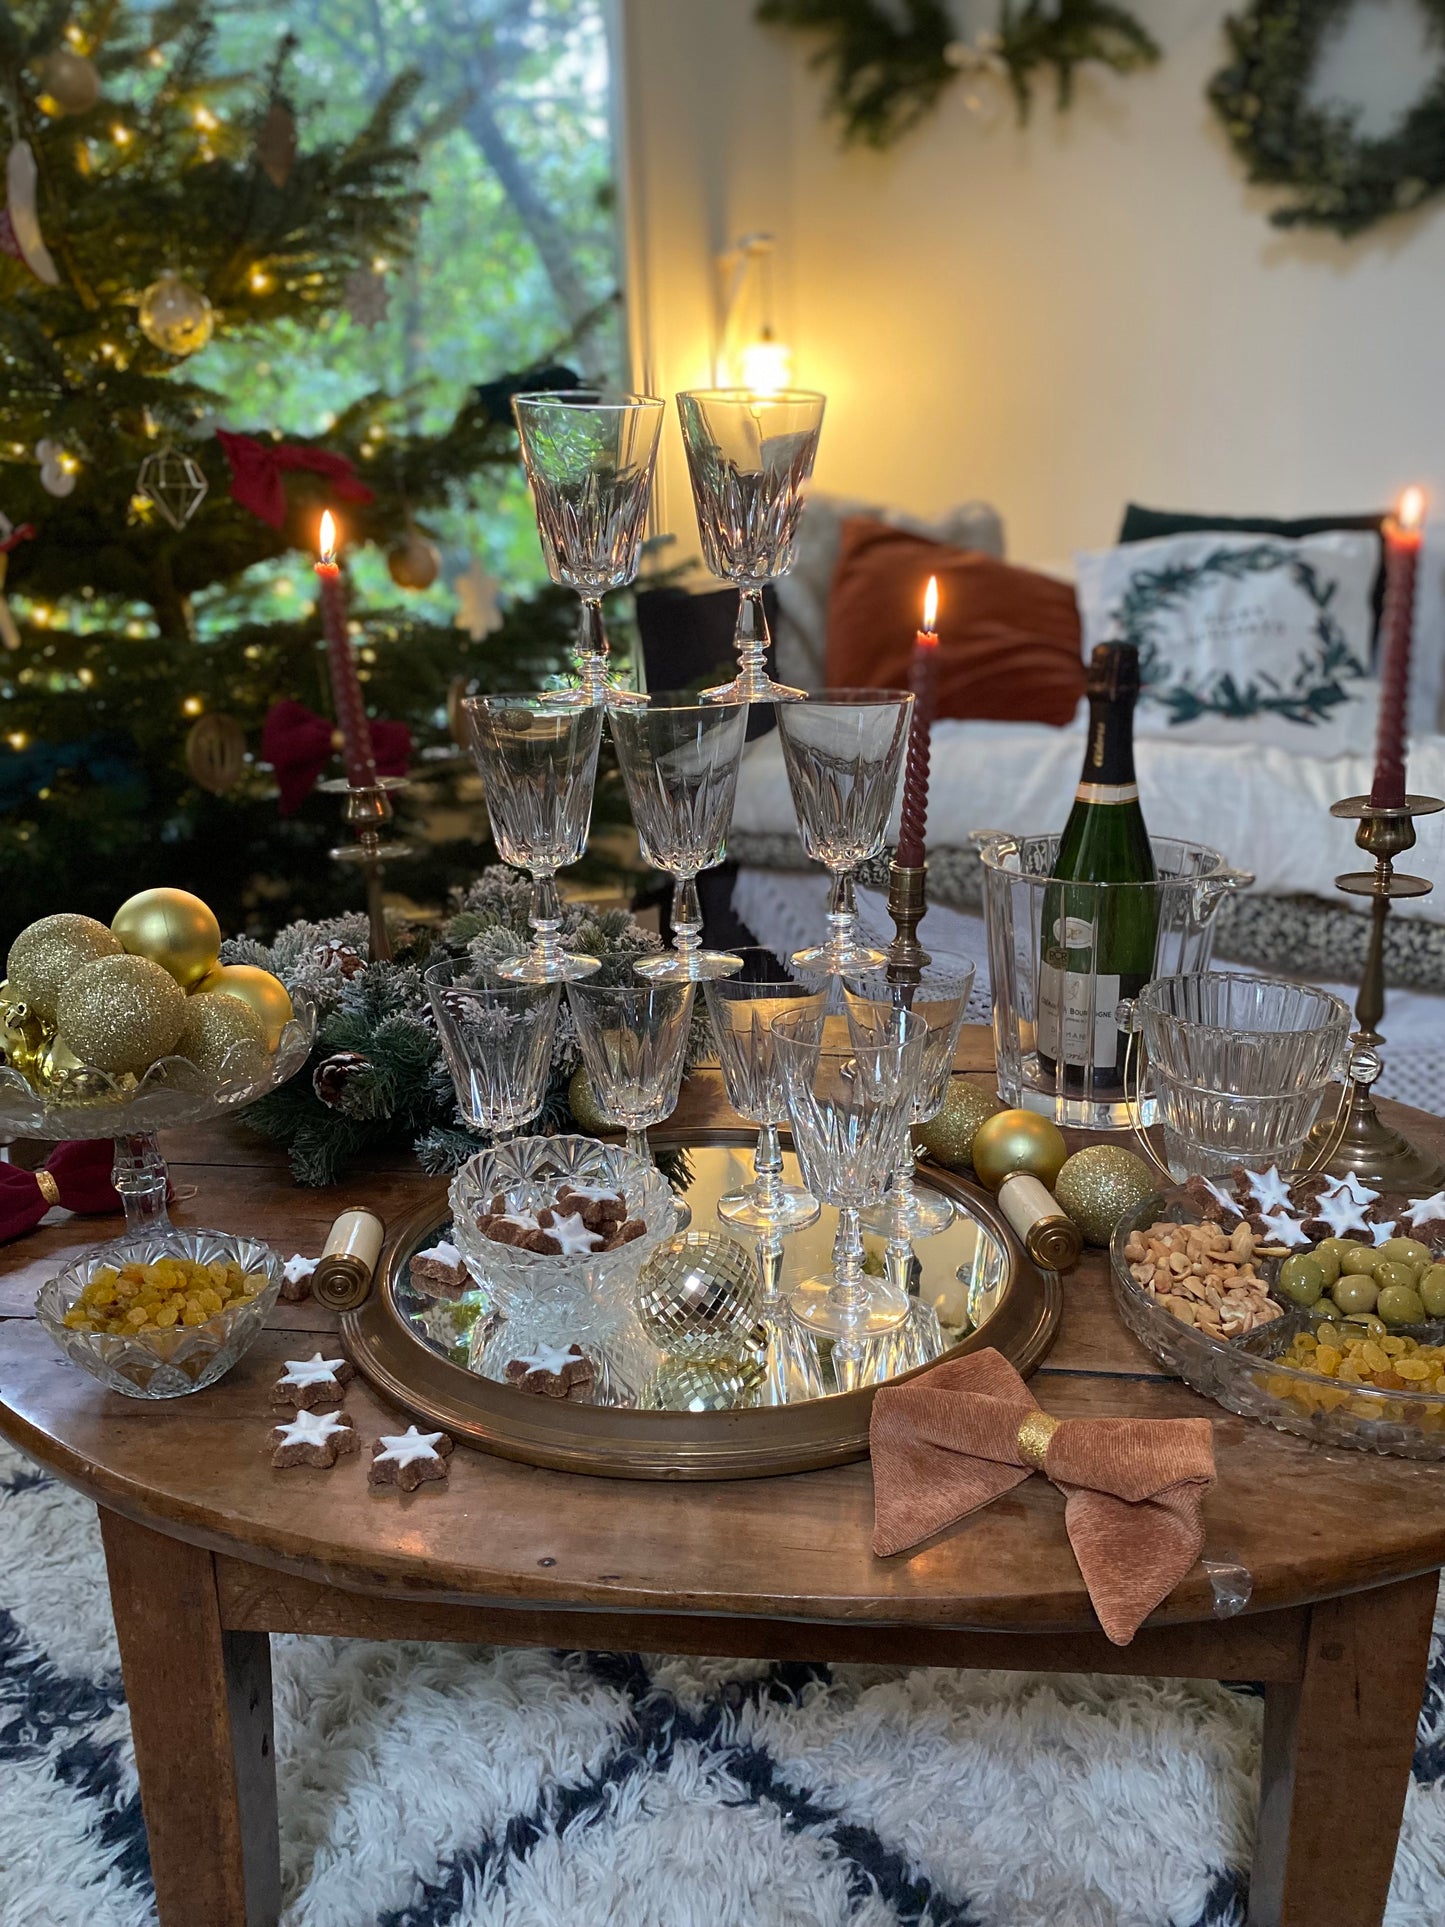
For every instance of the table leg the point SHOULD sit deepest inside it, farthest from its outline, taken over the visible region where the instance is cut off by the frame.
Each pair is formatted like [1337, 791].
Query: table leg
[200, 1712]
[1336, 1763]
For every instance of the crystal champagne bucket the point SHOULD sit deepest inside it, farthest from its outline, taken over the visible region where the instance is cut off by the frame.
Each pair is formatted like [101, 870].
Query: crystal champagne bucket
[1190, 884]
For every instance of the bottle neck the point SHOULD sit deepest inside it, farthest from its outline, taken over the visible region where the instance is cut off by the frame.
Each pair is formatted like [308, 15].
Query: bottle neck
[1108, 773]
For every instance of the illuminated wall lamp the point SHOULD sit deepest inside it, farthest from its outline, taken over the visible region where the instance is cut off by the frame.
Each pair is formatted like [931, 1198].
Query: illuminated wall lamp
[750, 354]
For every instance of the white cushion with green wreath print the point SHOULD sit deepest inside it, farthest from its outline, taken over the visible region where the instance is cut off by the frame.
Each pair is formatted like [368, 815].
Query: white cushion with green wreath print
[1243, 637]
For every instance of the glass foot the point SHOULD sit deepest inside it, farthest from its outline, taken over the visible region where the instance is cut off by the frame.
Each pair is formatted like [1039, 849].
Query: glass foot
[813, 1305]
[604, 695]
[688, 966]
[791, 1208]
[838, 960]
[757, 687]
[566, 967]
[926, 1214]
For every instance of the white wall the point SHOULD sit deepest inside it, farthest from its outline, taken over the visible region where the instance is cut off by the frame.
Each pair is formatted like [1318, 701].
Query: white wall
[1058, 317]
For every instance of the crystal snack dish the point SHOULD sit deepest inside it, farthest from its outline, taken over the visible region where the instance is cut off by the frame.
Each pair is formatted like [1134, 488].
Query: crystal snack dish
[1246, 1375]
[181, 1358]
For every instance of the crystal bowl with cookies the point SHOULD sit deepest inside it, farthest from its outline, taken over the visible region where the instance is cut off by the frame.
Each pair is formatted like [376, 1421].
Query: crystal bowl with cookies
[162, 1314]
[1314, 1303]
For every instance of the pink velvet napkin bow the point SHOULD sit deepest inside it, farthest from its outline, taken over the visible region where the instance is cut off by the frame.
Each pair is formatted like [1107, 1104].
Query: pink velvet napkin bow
[970, 1430]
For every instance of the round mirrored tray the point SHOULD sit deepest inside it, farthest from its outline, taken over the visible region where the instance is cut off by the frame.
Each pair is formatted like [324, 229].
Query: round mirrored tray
[775, 1407]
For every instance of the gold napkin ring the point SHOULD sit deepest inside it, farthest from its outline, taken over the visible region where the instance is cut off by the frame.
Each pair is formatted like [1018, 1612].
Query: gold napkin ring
[49, 1189]
[1034, 1434]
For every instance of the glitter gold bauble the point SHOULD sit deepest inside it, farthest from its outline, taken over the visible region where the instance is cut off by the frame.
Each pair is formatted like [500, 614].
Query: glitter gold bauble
[173, 929]
[266, 995]
[175, 316]
[47, 954]
[1018, 1141]
[225, 1038]
[582, 1103]
[414, 563]
[1099, 1184]
[121, 1013]
[23, 1036]
[69, 82]
[949, 1136]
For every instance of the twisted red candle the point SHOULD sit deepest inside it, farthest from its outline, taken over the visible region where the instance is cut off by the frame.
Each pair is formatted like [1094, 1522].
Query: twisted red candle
[346, 697]
[910, 854]
[1402, 558]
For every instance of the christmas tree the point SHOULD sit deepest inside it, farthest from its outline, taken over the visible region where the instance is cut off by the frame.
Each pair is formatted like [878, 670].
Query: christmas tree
[154, 200]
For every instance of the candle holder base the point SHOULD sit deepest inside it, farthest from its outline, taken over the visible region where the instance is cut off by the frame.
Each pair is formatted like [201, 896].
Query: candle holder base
[907, 902]
[1357, 1141]
[368, 810]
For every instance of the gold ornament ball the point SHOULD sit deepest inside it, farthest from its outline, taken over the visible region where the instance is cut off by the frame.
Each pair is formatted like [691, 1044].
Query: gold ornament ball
[47, 954]
[173, 929]
[175, 316]
[69, 82]
[121, 1013]
[1018, 1141]
[23, 1036]
[224, 1038]
[67, 1079]
[582, 1102]
[949, 1136]
[1099, 1184]
[265, 994]
[414, 563]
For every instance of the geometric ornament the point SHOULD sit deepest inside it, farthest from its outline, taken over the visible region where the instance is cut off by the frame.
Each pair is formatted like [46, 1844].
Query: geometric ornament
[174, 483]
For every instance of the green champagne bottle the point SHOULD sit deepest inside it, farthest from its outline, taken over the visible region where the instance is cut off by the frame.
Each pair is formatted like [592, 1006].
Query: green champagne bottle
[1097, 946]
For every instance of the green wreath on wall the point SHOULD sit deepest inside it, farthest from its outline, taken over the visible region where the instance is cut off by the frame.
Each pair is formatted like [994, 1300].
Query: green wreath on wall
[889, 63]
[1338, 178]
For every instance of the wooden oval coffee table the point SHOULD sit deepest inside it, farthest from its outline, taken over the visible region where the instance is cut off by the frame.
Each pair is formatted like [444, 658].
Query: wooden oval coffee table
[210, 1550]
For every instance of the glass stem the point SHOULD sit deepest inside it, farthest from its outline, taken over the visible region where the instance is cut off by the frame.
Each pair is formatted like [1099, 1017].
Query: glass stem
[592, 648]
[848, 1291]
[686, 917]
[751, 637]
[770, 1269]
[842, 917]
[898, 1254]
[139, 1174]
[637, 1144]
[545, 917]
[768, 1169]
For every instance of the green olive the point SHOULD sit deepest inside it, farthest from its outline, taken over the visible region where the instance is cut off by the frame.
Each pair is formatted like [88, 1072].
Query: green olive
[1302, 1279]
[1354, 1293]
[1359, 1259]
[1400, 1305]
[1390, 1272]
[1328, 1260]
[1432, 1291]
[1405, 1251]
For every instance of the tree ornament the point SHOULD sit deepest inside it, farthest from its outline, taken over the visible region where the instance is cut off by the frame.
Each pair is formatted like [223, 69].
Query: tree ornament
[1099, 1184]
[172, 928]
[276, 143]
[582, 1103]
[1018, 1141]
[949, 1136]
[57, 468]
[224, 1039]
[366, 297]
[68, 1079]
[20, 234]
[47, 954]
[121, 1013]
[175, 316]
[266, 995]
[704, 1385]
[697, 1297]
[332, 1075]
[23, 1035]
[415, 563]
[478, 610]
[69, 82]
[216, 753]
[174, 483]
[1338, 177]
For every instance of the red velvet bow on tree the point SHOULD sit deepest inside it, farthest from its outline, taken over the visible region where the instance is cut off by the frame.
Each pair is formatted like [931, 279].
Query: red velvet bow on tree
[74, 1175]
[257, 468]
[297, 743]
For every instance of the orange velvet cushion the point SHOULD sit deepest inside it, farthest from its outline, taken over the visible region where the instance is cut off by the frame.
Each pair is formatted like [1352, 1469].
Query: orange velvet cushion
[1008, 638]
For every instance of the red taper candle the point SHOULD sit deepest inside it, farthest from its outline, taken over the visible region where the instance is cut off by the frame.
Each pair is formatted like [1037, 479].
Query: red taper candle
[911, 830]
[1403, 533]
[346, 699]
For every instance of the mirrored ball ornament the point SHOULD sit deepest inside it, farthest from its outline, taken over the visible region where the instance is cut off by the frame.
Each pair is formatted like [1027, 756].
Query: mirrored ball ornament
[697, 1296]
[175, 316]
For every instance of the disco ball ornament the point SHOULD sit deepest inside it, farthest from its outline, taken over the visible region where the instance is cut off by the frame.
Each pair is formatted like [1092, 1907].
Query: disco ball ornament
[697, 1297]
[704, 1385]
[175, 316]
[174, 483]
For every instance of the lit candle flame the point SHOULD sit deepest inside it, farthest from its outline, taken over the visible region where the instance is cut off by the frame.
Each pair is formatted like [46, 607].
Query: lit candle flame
[930, 606]
[1411, 512]
[328, 536]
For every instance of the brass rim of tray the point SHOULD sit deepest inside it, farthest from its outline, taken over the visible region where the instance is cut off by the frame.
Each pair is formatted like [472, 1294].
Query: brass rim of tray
[615, 1442]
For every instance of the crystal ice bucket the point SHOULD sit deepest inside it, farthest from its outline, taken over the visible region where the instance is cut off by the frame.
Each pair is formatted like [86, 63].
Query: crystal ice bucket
[1065, 1083]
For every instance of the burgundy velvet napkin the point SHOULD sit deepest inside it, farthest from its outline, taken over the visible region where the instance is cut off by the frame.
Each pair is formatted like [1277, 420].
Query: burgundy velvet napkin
[970, 1430]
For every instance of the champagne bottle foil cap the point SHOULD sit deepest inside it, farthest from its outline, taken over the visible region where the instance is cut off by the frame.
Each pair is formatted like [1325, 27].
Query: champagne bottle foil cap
[1114, 672]
[1049, 1236]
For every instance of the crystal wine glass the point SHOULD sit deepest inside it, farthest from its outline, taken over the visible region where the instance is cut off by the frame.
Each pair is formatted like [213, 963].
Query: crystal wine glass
[748, 456]
[589, 456]
[848, 1094]
[538, 763]
[497, 1040]
[633, 1040]
[679, 760]
[742, 1010]
[844, 755]
[939, 997]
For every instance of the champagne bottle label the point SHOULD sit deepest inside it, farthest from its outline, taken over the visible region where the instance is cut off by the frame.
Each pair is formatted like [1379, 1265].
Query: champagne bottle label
[1076, 1024]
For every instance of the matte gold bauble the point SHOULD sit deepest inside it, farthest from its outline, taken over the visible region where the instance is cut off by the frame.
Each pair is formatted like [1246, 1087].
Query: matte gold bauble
[69, 82]
[949, 1136]
[23, 1037]
[582, 1103]
[225, 1038]
[1018, 1141]
[1099, 1184]
[173, 929]
[47, 954]
[266, 995]
[414, 563]
[175, 317]
[122, 1013]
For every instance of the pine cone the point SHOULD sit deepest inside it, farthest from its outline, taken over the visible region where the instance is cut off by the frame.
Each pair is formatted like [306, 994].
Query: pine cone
[339, 956]
[334, 1073]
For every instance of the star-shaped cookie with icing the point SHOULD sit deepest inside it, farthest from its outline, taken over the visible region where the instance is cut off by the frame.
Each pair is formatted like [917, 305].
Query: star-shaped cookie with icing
[314, 1438]
[308, 1383]
[296, 1278]
[408, 1458]
[1426, 1210]
[1281, 1228]
[1271, 1192]
[573, 1236]
[1342, 1214]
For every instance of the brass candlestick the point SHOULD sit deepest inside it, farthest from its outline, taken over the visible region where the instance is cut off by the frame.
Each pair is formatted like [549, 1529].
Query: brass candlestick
[907, 901]
[1358, 1141]
[368, 810]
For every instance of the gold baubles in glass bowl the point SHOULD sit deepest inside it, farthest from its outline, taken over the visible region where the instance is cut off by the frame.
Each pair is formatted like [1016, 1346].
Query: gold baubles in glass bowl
[172, 928]
[266, 995]
[224, 1038]
[121, 1013]
[47, 954]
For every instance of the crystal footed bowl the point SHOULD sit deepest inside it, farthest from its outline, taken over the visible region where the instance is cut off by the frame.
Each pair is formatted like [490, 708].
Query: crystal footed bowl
[173, 1092]
[163, 1364]
[528, 1172]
